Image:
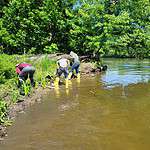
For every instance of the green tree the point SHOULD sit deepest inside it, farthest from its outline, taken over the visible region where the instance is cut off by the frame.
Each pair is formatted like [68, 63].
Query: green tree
[94, 27]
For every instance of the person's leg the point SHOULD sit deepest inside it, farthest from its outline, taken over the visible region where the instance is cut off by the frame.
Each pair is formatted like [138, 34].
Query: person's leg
[31, 78]
[66, 72]
[77, 68]
[31, 74]
[72, 67]
[59, 72]
[71, 73]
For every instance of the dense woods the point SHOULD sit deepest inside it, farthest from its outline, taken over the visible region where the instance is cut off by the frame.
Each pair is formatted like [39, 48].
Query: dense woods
[97, 27]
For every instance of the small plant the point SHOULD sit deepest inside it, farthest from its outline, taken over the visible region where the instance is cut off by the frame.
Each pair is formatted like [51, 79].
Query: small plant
[26, 88]
[15, 95]
[3, 111]
[36, 84]
[43, 82]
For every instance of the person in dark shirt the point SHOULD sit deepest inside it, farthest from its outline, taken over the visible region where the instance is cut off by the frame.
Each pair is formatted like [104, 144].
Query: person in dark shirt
[25, 70]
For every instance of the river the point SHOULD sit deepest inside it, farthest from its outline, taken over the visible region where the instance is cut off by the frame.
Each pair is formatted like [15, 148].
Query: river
[110, 111]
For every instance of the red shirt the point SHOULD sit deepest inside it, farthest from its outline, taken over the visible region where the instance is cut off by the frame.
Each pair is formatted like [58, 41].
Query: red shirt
[21, 66]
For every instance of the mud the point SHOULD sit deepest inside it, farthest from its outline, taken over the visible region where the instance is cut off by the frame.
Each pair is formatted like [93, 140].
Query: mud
[21, 105]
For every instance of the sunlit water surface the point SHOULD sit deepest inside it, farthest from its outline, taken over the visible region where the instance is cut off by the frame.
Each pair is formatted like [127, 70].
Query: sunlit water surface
[108, 112]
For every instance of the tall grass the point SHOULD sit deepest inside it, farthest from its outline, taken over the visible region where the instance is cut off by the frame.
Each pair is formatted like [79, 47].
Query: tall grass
[8, 79]
[44, 68]
[3, 111]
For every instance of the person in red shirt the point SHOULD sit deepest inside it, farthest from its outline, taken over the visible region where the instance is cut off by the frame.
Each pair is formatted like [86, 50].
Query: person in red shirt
[25, 70]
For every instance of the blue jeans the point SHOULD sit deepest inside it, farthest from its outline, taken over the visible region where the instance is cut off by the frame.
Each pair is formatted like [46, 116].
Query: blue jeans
[75, 67]
[64, 71]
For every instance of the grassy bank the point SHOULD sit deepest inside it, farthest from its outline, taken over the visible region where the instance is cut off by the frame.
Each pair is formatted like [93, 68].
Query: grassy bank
[11, 102]
[9, 92]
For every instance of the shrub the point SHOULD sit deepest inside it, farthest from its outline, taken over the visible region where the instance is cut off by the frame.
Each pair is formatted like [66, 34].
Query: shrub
[7, 68]
[3, 111]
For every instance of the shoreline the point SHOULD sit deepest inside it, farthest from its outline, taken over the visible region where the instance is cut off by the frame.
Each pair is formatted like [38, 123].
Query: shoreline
[36, 97]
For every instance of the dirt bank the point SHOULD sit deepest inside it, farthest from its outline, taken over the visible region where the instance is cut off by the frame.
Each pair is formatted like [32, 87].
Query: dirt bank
[36, 95]
[23, 103]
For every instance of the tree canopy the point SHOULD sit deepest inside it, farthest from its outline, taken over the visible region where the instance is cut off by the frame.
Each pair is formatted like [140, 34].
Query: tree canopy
[94, 27]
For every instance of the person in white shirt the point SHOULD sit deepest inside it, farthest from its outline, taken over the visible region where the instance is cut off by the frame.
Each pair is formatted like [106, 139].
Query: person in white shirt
[62, 67]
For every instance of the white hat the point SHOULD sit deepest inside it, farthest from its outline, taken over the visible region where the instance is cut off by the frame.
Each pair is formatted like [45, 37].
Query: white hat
[17, 65]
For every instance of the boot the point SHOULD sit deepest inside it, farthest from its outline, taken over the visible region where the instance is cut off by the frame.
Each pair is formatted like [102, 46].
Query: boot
[69, 76]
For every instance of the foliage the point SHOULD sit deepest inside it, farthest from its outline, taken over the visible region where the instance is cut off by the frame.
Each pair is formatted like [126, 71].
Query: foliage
[111, 28]
[99, 28]
[7, 68]
[51, 49]
[31, 25]
[14, 96]
[26, 87]
[3, 111]
[8, 82]
[43, 68]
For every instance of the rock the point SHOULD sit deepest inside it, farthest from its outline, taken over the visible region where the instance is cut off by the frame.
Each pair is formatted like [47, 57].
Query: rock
[38, 100]
[2, 132]
[92, 75]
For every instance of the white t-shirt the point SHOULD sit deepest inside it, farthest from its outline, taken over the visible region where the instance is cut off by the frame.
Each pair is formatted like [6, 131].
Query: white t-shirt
[63, 62]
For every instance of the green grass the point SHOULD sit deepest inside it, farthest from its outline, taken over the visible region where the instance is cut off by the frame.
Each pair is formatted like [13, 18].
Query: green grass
[3, 111]
[44, 68]
[8, 80]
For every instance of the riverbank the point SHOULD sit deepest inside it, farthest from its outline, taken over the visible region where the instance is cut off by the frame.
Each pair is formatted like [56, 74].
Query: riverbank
[44, 68]
[11, 102]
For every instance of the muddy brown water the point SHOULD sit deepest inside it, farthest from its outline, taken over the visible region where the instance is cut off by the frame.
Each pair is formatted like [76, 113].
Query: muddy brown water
[110, 111]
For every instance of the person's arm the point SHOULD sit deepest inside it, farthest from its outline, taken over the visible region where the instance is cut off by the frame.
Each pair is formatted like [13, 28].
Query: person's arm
[18, 71]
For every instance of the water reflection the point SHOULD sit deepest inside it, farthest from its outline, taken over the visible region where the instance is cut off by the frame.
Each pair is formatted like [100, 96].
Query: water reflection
[68, 86]
[125, 72]
[87, 116]
[57, 91]
[78, 80]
